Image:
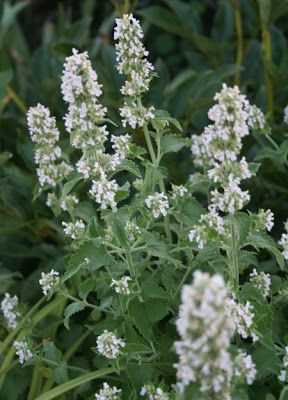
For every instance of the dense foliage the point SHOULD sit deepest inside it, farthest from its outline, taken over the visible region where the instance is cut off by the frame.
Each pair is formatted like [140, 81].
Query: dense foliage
[143, 200]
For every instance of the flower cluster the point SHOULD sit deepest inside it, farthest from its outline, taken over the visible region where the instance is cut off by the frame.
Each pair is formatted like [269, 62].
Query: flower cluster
[283, 373]
[261, 281]
[109, 345]
[45, 135]
[132, 230]
[48, 281]
[108, 393]
[284, 241]
[219, 147]
[206, 330]
[178, 191]
[153, 393]
[243, 318]
[8, 308]
[22, 351]
[122, 285]
[264, 220]
[285, 117]
[85, 121]
[74, 230]
[132, 62]
[158, 203]
[245, 368]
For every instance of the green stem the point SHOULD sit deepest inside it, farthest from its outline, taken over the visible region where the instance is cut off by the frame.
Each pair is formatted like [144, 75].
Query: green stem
[234, 256]
[267, 58]
[239, 34]
[36, 382]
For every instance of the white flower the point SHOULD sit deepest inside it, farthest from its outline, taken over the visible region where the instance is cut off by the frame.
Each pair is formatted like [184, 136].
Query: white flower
[22, 351]
[8, 308]
[284, 241]
[69, 202]
[131, 56]
[265, 219]
[178, 191]
[108, 393]
[48, 281]
[285, 115]
[122, 285]
[134, 114]
[283, 375]
[132, 230]
[158, 203]
[75, 230]
[243, 318]
[45, 135]
[104, 192]
[153, 393]
[206, 329]
[245, 367]
[109, 345]
[261, 281]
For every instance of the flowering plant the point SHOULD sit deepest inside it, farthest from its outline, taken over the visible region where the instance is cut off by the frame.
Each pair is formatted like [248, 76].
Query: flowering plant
[134, 241]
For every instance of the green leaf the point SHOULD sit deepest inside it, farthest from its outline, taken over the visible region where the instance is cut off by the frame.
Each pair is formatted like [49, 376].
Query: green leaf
[130, 166]
[171, 143]
[263, 241]
[284, 394]
[73, 383]
[70, 310]
[68, 187]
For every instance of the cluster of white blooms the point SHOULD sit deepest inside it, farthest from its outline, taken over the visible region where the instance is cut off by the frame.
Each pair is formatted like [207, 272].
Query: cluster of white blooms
[178, 191]
[210, 224]
[109, 345]
[48, 281]
[8, 308]
[158, 203]
[265, 220]
[45, 135]
[121, 286]
[261, 281]
[153, 393]
[108, 393]
[22, 351]
[75, 230]
[285, 119]
[284, 241]
[132, 230]
[84, 121]
[245, 367]
[219, 147]
[132, 62]
[206, 329]
[69, 202]
[243, 318]
[283, 373]
[104, 192]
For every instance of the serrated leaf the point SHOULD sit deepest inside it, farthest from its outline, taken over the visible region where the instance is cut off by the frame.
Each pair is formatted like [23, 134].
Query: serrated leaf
[171, 143]
[70, 310]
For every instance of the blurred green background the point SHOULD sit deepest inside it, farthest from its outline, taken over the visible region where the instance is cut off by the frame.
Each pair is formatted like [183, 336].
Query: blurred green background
[196, 45]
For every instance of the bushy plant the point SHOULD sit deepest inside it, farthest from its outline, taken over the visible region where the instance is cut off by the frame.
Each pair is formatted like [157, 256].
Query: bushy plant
[109, 324]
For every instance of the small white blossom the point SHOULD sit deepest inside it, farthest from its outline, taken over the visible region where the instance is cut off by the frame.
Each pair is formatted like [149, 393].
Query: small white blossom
[22, 351]
[69, 202]
[178, 191]
[48, 281]
[136, 115]
[8, 308]
[206, 330]
[283, 375]
[243, 318]
[109, 345]
[261, 281]
[132, 230]
[153, 393]
[108, 393]
[284, 241]
[245, 367]
[285, 115]
[121, 286]
[75, 230]
[103, 192]
[265, 219]
[158, 203]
